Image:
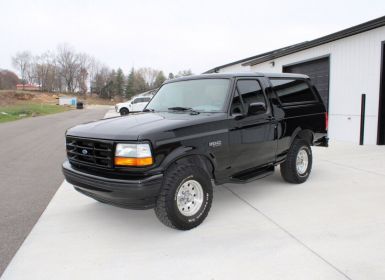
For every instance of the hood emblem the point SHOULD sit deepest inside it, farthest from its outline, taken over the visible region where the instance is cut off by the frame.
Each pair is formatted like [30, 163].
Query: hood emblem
[84, 152]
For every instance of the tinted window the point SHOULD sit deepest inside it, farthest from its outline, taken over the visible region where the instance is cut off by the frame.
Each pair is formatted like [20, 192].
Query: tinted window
[141, 99]
[292, 91]
[250, 92]
[236, 105]
[203, 95]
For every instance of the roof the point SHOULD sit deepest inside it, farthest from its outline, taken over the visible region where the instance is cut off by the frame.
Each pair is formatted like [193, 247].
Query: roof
[369, 25]
[213, 70]
[236, 75]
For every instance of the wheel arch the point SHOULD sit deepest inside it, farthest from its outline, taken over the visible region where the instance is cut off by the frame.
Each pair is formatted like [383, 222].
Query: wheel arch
[188, 155]
[304, 134]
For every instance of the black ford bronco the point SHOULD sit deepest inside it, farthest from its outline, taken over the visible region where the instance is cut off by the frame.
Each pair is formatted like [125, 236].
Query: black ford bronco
[196, 131]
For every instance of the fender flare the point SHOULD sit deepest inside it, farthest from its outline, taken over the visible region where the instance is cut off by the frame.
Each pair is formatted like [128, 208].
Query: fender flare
[190, 154]
[305, 134]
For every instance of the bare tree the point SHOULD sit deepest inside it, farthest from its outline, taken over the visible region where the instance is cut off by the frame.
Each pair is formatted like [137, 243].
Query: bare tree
[94, 68]
[21, 61]
[69, 64]
[150, 76]
[184, 73]
[44, 71]
[83, 72]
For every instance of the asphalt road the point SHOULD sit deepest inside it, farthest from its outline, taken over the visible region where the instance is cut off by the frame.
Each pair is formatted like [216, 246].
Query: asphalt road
[31, 153]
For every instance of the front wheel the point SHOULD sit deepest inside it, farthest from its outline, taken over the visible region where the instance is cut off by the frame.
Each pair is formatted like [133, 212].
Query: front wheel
[124, 111]
[297, 166]
[185, 197]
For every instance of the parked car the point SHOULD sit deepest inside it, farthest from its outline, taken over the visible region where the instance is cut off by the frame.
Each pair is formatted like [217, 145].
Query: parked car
[199, 130]
[136, 104]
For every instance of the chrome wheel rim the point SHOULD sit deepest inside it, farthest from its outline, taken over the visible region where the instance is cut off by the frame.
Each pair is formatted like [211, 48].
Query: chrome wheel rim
[189, 197]
[302, 161]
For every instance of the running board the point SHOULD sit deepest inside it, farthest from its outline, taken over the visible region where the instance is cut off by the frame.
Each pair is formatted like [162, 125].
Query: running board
[248, 176]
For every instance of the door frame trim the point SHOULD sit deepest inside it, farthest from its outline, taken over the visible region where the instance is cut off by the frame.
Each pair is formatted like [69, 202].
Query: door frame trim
[381, 100]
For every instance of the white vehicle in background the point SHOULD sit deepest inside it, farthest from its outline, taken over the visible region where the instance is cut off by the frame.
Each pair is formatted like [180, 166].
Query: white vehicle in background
[136, 104]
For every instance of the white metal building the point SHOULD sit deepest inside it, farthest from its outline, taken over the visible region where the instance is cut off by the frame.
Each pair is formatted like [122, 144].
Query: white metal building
[343, 66]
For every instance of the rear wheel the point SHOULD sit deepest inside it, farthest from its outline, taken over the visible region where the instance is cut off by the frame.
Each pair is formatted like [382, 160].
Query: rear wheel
[297, 167]
[124, 111]
[185, 197]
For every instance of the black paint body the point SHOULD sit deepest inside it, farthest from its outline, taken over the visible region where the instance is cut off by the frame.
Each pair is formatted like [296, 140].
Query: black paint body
[248, 144]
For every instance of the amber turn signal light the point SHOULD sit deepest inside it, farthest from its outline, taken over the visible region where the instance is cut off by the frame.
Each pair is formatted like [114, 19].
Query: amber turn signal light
[123, 161]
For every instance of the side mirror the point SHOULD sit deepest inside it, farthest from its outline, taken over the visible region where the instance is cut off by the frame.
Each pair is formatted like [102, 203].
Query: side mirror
[238, 116]
[256, 108]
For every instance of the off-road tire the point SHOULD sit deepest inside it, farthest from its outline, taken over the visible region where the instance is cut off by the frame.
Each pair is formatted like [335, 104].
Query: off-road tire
[289, 167]
[166, 208]
[124, 111]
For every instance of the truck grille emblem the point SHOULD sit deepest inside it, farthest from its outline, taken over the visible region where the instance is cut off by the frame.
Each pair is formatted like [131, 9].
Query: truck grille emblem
[84, 152]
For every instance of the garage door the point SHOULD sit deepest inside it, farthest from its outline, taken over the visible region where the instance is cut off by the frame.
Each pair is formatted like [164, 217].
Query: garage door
[318, 71]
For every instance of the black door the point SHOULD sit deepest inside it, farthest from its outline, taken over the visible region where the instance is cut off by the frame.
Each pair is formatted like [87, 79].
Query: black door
[318, 71]
[381, 110]
[252, 140]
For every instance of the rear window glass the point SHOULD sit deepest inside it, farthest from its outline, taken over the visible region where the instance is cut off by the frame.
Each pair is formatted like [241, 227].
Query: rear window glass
[292, 91]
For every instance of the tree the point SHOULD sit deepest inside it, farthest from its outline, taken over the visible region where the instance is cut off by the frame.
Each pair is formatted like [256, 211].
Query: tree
[183, 73]
[82, 72]
[69, 64]
[140, 84]
[119, 83]
[43, 71]
[94, 68]
[21, 61]
[129, 91]
[160, 78]
[100, 81]
[82, 80]
[148, 75]
[8, 79]
[170, 76]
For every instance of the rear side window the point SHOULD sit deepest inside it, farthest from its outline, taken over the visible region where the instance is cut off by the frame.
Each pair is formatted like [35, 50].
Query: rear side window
[139, 100]
[292, 91]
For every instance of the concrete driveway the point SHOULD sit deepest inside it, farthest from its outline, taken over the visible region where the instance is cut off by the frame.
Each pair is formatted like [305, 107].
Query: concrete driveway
[31, 153]
[331, 227]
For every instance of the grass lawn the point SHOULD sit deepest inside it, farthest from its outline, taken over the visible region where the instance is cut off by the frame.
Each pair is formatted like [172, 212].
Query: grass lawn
[20, 111]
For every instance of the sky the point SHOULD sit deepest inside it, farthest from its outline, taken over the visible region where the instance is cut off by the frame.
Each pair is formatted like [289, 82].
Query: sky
[172, 35]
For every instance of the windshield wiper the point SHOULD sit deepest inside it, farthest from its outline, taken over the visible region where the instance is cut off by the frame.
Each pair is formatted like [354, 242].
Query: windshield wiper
[180, 108]
[184, 109]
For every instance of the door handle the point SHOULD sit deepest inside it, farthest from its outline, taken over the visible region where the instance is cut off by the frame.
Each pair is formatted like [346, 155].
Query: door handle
[270, 118]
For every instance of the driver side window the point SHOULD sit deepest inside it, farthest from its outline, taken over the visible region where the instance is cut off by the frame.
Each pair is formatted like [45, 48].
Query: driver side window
[247, 92]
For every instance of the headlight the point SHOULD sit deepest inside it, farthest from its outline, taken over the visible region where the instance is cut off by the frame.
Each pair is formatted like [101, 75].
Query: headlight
[133, 155]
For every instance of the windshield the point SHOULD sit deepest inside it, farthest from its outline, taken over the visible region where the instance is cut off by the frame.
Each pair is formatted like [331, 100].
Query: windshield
[204, 95]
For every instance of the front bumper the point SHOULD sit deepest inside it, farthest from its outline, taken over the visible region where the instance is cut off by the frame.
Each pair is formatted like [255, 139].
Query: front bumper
[133, 194]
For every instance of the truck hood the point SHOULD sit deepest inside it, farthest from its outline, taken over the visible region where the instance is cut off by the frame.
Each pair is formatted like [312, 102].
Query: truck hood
[139, 126]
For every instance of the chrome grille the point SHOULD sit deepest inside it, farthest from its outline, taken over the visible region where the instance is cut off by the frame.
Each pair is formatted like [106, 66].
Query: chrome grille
[89, 151]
